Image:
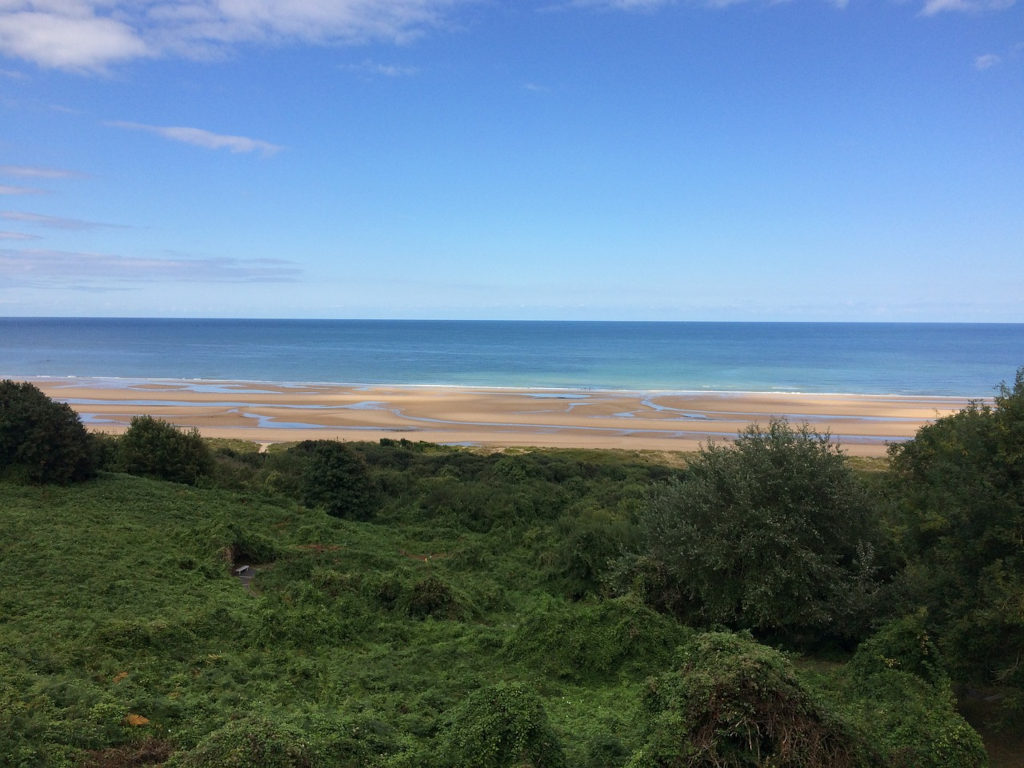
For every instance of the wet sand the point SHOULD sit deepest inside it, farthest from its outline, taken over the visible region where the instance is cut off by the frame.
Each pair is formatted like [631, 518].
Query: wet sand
[492, 417]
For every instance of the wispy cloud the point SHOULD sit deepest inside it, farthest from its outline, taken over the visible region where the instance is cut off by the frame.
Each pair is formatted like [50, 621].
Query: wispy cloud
[51, 222]
[620, 5]
[89, 35]
[35, 172]
[17, 236]
[90, 271]
[8, 189]
[934, 7]
[203, 138]
[377, 69]
[987, 61]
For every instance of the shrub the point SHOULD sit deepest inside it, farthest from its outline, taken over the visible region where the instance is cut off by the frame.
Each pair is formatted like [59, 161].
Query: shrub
[960, 489]
[774, 534]
[897, 690]
[731, 702]
[247, 743]
[41, 440]
[500, 726]
[582, 642]
[903, 644]
[337, 479]
[154, 448]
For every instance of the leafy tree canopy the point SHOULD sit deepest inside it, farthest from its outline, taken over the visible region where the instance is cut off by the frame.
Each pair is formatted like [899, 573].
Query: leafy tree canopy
[41, 440]
[154, 448]
[960, 488]
[773, 534]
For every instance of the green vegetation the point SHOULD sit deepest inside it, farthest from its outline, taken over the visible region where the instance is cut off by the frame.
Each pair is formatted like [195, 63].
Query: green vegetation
[42, 441]
[405, 605]
[959, 487]
[154, 448]
[773, 534]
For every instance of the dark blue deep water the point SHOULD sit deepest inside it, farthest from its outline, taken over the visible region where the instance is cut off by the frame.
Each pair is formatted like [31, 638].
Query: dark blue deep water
[863, 358]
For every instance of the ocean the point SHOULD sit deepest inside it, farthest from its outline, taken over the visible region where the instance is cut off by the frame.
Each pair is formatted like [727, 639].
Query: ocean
[857, 358]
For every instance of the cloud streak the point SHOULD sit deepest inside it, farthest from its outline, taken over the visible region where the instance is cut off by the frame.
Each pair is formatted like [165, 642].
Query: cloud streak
[90, 35]
[51, 222]
[202, 138]
[35, 172]
[8, 189]
[987, 61]
[934, 7]
[92, 271]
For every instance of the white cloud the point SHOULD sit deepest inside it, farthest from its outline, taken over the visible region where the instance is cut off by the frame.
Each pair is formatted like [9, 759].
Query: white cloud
[987, 61]
[933, 7]
[34, 172]
[51, 222]
[75, 42]
[381, 70]
[17, 236]
[203, 138]
[92, 271]
[7, 189]
[92, 34]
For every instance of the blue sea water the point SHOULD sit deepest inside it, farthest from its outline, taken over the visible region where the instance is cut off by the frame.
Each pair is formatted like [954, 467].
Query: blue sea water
[861, 358]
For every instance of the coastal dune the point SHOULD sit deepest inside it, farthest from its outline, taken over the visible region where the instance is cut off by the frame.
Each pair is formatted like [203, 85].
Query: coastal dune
[492, 417]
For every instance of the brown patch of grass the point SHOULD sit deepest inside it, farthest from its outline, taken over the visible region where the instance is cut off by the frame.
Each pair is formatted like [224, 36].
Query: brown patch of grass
[148, 752]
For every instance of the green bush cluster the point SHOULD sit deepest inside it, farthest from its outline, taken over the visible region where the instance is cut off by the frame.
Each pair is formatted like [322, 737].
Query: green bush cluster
[959, 487]
[897, 689]
[42, 441]
[731, 702]
[155, 448]
[590, 642]
[499, 726]
[773, 534]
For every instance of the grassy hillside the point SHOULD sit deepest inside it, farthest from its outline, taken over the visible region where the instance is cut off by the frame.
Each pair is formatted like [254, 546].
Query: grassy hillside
[465, 623]
[119, 598]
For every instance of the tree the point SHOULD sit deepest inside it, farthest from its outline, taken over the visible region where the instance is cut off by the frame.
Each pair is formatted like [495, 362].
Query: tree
[774, 534]
[337, 479]
[42, 440]
[960, 489]
[154, 448]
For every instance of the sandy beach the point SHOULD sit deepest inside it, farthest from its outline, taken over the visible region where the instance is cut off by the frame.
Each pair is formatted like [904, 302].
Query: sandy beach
[491, 417]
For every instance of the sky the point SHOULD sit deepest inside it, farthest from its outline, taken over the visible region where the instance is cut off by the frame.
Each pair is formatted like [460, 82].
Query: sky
[796, 160]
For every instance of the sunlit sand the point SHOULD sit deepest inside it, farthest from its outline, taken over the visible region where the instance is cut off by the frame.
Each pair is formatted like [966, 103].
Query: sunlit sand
[492, 417]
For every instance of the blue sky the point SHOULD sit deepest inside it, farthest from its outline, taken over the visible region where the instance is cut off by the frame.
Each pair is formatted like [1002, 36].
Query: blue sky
[746, 160]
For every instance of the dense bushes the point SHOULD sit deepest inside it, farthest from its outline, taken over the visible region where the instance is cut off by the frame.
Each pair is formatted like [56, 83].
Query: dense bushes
[247, 743]
[897, 690]
[501, 726]
[774, 534]
[42, 441]
[593, 642]
[731, 702]
[336, 478]
[154, 448]
[960, 488]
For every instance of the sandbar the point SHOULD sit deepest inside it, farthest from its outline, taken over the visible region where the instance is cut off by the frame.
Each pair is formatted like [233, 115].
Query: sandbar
[492, 417]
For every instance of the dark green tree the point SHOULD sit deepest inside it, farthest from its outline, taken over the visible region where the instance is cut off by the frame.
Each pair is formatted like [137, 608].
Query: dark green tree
[155, 448]
[773, 534]
[960, 489]
[337, 478]
[41, 440]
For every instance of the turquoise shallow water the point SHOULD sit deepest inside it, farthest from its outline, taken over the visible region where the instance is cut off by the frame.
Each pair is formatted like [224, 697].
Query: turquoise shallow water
[860, 358]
